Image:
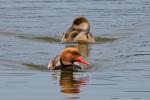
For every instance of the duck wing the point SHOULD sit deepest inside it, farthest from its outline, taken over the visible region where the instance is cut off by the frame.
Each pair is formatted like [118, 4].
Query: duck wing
[54, 62]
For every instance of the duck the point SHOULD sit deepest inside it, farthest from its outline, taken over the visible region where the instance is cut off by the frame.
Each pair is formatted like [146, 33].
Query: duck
[79, 31]
[69, 59]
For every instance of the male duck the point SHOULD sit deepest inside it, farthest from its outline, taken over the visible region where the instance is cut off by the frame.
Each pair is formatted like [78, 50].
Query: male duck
[70, 58]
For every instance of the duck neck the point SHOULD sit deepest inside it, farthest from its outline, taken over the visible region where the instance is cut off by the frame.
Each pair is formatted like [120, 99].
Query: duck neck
[65, 64]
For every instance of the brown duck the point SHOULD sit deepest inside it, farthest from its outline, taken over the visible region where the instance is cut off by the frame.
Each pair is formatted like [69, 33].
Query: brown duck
[79, 31]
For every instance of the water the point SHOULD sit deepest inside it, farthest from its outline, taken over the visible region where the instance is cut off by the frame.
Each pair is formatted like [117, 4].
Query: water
[29, 37]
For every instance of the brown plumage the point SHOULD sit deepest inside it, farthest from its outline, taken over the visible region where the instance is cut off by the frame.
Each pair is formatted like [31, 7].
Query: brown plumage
[79, 31]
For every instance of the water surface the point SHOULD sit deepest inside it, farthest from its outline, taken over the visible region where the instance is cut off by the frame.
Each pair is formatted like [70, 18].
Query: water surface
[29, 36]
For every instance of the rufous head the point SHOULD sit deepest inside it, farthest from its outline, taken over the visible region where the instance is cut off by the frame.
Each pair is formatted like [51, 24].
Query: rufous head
[72, 54]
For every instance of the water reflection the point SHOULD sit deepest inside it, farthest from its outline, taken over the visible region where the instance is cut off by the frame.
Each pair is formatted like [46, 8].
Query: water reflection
[84, 48]
[69, 83]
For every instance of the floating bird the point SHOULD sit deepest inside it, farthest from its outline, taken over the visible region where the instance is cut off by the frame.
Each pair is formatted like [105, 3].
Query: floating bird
[79, 31]
[69, 58]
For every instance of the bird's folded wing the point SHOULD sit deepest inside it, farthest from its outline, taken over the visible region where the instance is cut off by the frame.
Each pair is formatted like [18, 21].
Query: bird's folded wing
[54, 62]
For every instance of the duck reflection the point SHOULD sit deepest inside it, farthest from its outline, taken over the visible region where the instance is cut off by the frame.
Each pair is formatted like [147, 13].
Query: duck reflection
[69, 84]
[84, 48]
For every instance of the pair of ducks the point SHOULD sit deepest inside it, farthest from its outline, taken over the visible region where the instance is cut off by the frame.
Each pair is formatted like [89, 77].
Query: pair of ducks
[70, 57]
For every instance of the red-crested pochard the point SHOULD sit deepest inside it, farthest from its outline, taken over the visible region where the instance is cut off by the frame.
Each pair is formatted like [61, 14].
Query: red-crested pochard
[79, 31]
[69, 58]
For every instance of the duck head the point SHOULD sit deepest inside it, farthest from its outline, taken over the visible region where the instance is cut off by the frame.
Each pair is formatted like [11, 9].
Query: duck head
[70, 55]
[81, 24]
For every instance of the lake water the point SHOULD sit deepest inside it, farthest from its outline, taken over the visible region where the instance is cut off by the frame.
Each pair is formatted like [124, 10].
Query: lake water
[29, 32]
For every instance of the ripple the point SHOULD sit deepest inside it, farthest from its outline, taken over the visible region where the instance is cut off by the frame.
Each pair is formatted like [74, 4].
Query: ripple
[35, 66]
[139, 91]
[15, 74]
[57, 39]
[134, 55]
[104, 84]
[43, 38]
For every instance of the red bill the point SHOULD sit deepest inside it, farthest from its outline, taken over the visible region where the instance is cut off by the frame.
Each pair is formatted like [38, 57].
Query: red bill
[82, 60]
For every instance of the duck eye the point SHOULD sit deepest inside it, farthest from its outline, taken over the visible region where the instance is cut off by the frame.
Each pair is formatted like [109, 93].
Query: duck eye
[74, 35]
